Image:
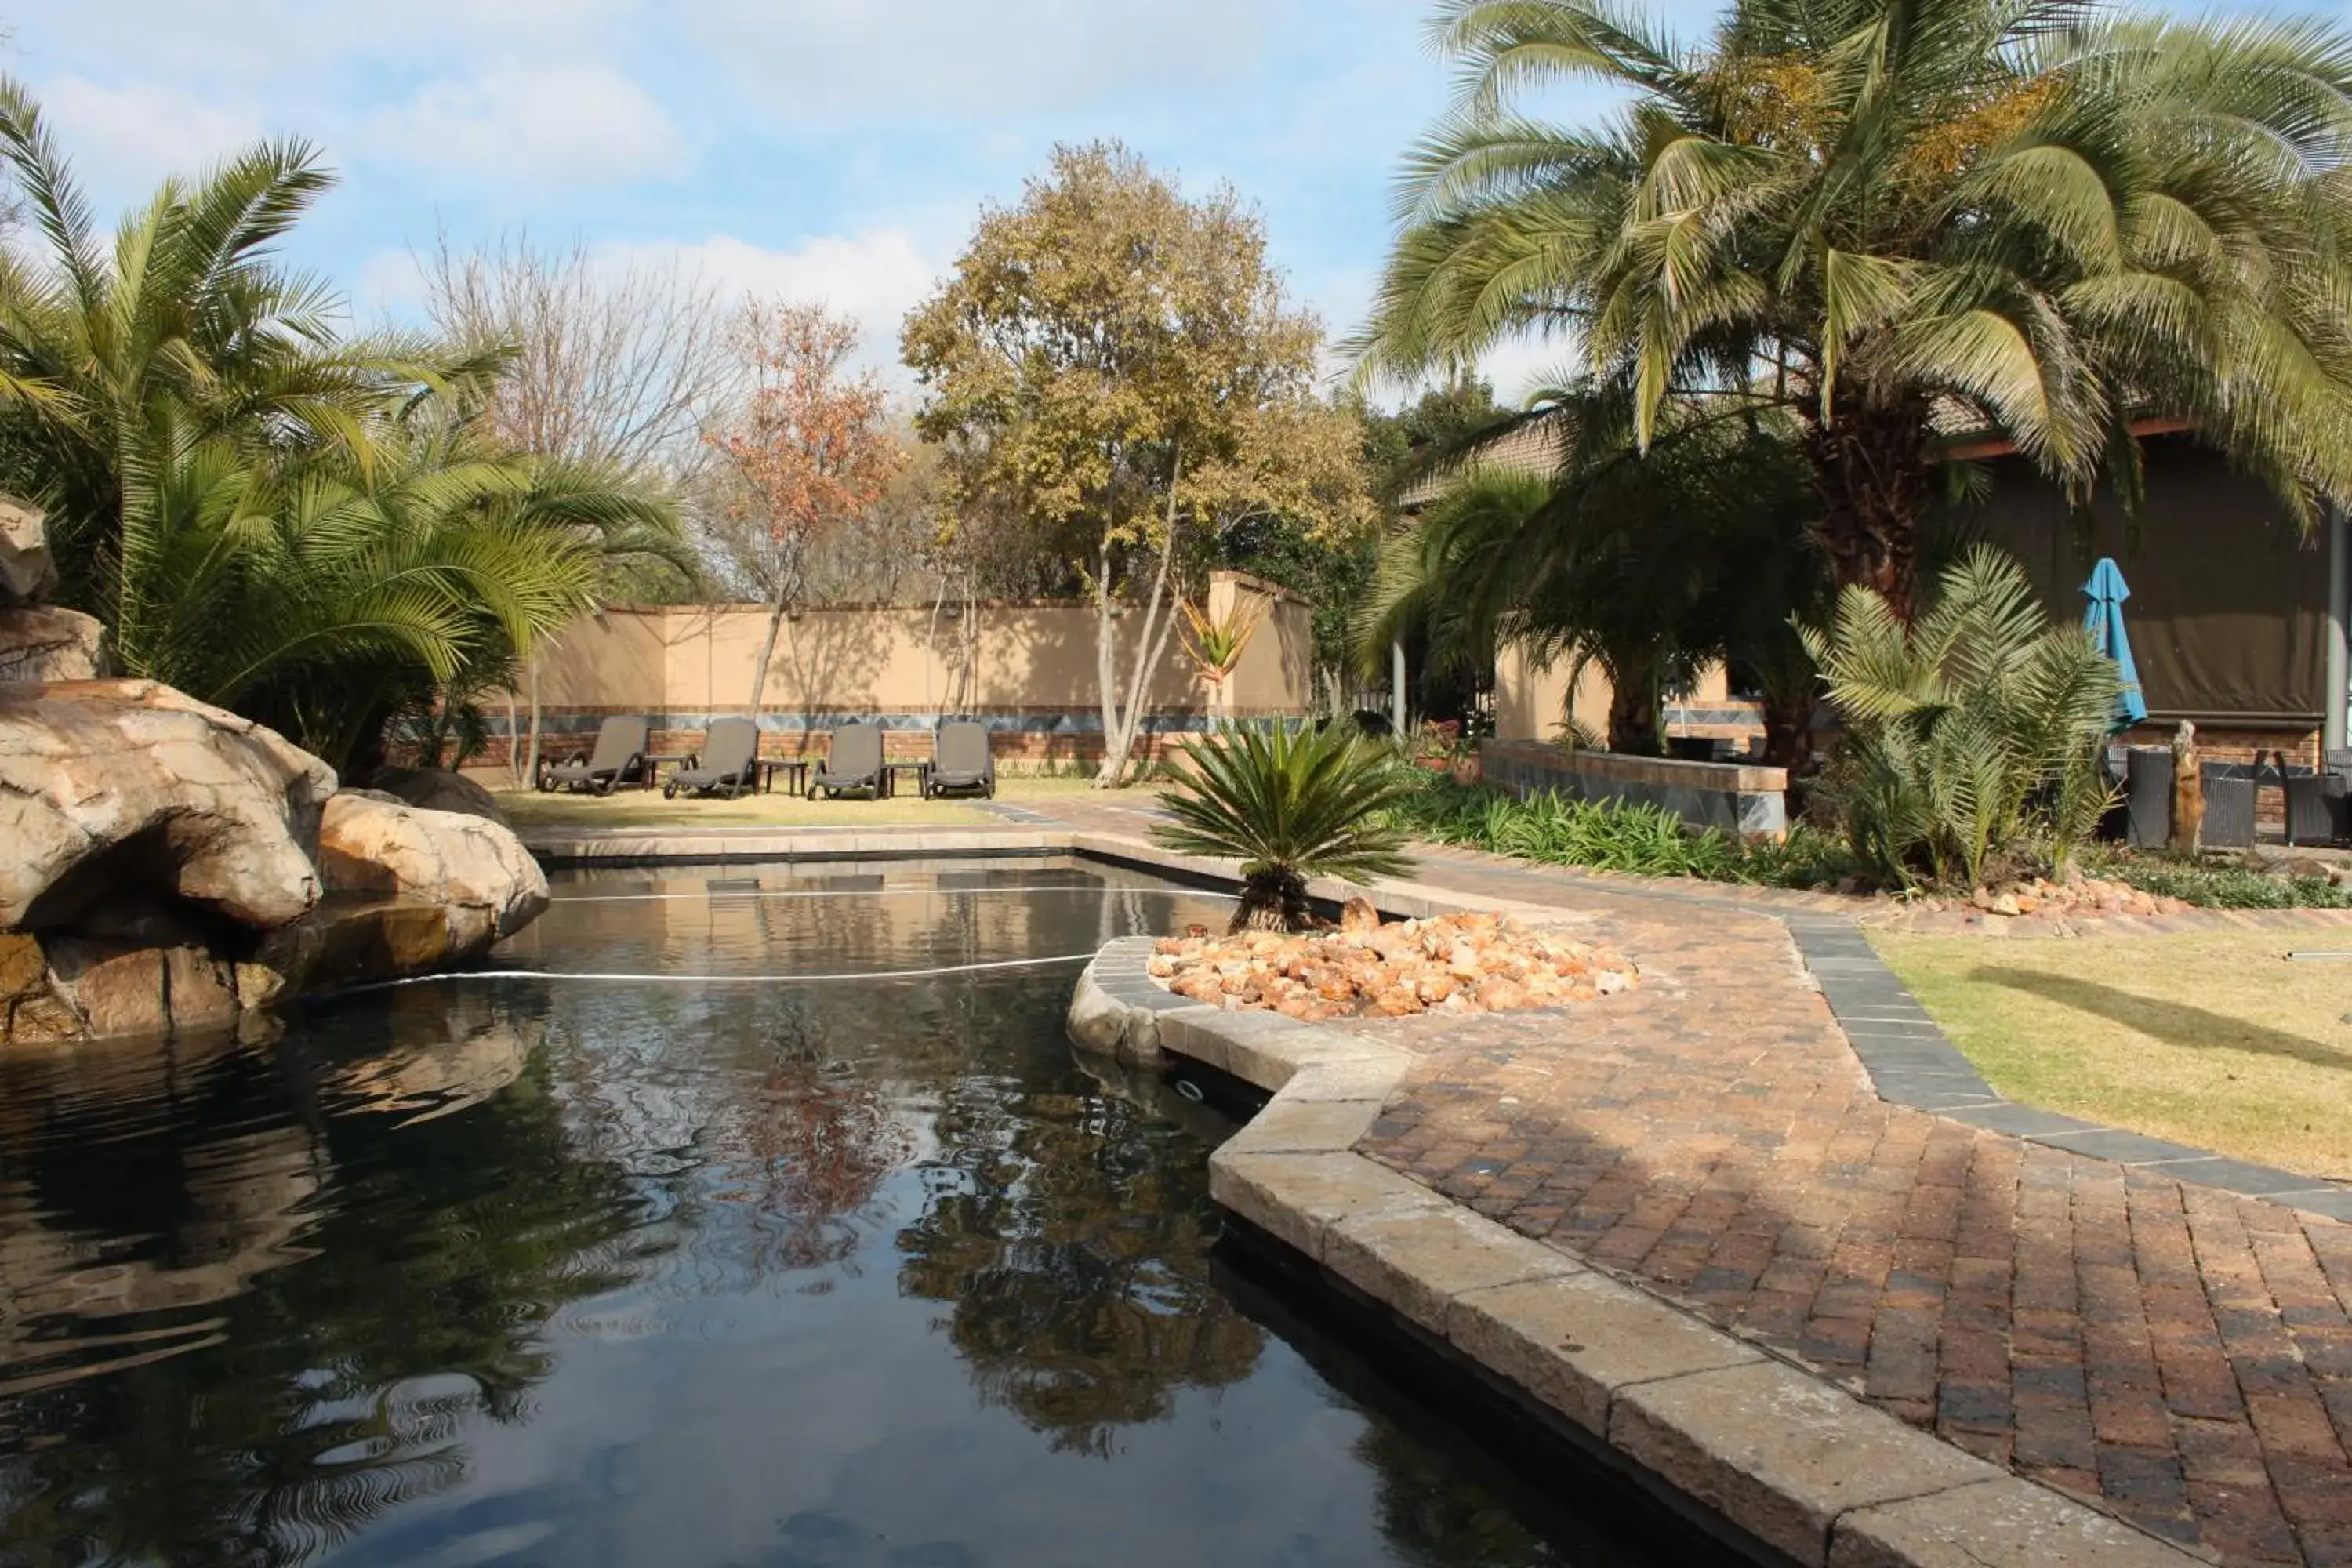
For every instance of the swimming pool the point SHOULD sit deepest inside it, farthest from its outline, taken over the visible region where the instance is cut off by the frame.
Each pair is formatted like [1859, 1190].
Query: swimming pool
[633, 1252]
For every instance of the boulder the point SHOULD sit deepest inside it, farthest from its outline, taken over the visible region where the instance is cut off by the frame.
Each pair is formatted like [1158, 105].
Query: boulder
[116, 787]
[28, 573]
[437, 789]
[478, 873]
[43, 643]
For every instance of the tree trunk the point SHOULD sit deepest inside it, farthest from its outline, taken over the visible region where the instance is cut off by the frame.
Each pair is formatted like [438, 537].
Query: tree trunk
[1274, 898]
[531, 762]
[1633, 727]
[767, 651]
[1788, 731]
[1871, 477]
[1123, 721]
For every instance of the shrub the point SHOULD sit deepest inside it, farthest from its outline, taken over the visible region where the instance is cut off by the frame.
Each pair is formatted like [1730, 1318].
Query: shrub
[1973, 734]
[1613, 837]
[2220, 884]
[1288, 803]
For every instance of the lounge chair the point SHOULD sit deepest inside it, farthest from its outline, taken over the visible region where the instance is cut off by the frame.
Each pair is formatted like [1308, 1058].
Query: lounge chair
[853, 760]
[730, 752]
[960, 760]
[619, 758]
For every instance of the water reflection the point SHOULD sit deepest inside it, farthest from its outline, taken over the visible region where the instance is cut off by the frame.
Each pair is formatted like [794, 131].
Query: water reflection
[561, 1271]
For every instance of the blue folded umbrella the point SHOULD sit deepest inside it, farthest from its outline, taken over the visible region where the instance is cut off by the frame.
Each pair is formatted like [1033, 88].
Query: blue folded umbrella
[2104, 622]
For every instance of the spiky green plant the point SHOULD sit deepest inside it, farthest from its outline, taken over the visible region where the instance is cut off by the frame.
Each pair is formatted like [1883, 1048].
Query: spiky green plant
[1288, 803]
[1973, 734]
[2045, 219]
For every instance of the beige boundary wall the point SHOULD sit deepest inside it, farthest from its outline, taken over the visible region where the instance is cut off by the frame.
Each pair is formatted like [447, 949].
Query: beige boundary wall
[1532, 703]
[1026, 669]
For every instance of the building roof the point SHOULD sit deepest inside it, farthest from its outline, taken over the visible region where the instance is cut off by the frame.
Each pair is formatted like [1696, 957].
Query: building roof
[1535, 447]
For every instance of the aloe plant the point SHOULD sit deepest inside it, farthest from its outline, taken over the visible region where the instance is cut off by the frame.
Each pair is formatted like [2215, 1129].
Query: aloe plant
[1289, 803]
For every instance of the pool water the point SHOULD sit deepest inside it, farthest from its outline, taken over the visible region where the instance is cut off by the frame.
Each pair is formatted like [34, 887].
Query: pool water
[696, 1268]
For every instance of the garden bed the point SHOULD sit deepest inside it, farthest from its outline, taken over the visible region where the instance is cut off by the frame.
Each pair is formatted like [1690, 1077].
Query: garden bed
[1452, 963]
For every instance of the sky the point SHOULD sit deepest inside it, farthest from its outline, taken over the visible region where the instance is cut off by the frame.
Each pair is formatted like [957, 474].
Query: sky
[836, 151]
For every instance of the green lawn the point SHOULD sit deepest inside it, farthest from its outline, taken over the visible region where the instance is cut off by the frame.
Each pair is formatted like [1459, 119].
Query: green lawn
[2217, 1041]
[646, 808]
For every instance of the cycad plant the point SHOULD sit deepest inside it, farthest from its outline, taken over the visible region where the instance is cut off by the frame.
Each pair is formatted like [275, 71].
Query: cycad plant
[1974, 736]
[1289, 802]
[1891, 218]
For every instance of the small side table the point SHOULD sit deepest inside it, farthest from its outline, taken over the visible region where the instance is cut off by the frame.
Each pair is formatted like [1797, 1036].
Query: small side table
[890, 771]
[795, 772]
[650, 774]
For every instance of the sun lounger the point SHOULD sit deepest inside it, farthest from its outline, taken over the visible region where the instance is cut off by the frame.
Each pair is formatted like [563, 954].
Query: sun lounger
[730, 750]
[960, 760]
[619, 758]
[853, 761]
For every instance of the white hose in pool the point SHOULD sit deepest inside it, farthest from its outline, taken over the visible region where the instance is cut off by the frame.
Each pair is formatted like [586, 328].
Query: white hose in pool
[710, 979]
[882, 893]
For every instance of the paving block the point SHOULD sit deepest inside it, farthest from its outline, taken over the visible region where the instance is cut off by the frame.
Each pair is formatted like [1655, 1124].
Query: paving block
[1575, 1341]
[1417, 1263]
[1296, 1198]
[2006, 1523]
[1781, 1454]
[1290, 1126]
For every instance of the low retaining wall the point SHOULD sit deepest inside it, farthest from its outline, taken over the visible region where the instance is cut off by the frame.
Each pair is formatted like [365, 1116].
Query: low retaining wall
[1733, 796]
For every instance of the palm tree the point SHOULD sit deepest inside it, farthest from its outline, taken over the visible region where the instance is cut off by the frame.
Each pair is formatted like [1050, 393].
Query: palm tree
[1289, 803]
[184, 333]
[1647, 565]
[2039, 218]
[320, 600]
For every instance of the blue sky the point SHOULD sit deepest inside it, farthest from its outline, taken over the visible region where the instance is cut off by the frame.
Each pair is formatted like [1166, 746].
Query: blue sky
[833, 150]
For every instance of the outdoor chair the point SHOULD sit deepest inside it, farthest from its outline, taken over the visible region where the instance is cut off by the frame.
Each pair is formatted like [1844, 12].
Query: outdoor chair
[961, 760]
[730, 752]
[853, 761]
[619, 758]
[2319, 804]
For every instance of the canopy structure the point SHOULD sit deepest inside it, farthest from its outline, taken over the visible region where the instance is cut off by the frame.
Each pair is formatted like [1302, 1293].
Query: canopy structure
[2104, 621]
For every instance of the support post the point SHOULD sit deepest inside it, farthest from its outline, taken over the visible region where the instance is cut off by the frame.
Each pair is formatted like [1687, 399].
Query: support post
[2339, 610]
[1396, 684]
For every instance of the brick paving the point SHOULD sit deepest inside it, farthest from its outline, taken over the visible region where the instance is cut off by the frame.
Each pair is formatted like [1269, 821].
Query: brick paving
[2178, 1354]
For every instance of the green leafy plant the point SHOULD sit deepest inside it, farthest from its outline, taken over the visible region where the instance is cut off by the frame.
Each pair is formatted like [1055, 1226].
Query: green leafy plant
[1973, 736]
[2218, 884]
[1289, 802]
[1611, 835]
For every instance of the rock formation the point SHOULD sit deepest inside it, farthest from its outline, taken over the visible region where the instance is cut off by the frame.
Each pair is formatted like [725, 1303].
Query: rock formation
[438, 789]
[37, 640]
[167, 868]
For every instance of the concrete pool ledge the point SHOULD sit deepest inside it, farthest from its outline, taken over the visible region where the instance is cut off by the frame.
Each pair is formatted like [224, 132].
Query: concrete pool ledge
[1765, 1452]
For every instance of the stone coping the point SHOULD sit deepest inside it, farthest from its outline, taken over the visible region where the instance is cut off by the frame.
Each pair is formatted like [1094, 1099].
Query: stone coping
[1701, 1416]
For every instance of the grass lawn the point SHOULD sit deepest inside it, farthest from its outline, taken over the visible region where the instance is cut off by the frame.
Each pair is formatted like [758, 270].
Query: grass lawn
[2217, 1041]
[646, 808]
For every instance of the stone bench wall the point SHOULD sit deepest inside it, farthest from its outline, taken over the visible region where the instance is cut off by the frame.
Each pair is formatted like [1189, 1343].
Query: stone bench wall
[1734, 796]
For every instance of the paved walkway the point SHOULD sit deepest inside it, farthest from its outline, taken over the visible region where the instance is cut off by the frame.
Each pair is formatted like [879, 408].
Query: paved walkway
[2177, 1353]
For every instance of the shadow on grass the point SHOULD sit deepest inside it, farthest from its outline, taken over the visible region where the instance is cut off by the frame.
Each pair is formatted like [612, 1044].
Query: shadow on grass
[2179, 1024]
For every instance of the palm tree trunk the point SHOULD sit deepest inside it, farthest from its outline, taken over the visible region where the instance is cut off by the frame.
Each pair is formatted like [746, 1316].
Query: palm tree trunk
[1633, 727]
[1274, 898]
[1872, 476]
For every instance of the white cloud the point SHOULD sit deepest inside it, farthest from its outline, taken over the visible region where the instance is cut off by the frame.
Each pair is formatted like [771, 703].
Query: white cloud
[874, 277]
[543, 124]
[123, 139]
[924, 61]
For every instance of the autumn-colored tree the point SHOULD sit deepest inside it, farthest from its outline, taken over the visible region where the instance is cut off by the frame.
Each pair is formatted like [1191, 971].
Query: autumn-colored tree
[1117, 367]
[810, 450]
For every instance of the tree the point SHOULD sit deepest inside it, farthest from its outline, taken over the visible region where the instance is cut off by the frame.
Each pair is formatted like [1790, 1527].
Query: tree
[1117, 367]
[810, 450]
[1892, 218]
[186, 332]
[1649, 565]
